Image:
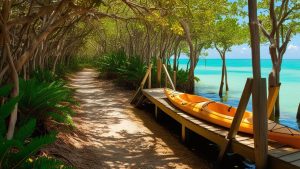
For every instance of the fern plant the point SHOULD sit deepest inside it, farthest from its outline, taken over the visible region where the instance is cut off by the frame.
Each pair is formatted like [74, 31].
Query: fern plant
[109, 63]
[132, 72]
[45, 76]
[19, 152]
[42, 100]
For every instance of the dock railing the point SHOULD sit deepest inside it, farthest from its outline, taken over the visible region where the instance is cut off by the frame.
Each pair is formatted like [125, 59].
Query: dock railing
[259, 141]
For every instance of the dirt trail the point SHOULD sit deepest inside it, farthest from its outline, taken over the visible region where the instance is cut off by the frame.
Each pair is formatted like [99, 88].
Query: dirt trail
[110, 133]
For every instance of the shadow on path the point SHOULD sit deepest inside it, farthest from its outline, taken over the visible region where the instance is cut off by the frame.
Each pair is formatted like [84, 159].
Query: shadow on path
[110, 133]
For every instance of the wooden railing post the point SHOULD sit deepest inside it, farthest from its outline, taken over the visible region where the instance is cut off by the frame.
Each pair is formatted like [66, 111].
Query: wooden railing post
[146, 76]
[168, 77]
[149, 78]
[260, 125]
[236, 122]
[159, 65]
[240, 109]
[272, 97]
[138, 92]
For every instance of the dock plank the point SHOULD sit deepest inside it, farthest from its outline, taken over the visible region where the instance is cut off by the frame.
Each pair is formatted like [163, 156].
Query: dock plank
[291, 157]
[279, 155]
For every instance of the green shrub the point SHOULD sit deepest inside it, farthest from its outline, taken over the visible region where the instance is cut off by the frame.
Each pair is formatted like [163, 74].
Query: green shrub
[42, 100]
[132, 73]
[130, 70]
[108, 64]
[45, 76]
[19, 152]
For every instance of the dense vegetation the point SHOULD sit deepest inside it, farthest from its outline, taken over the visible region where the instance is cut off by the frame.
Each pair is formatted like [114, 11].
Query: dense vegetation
[40, 41]
[39, 101]
[128, 71]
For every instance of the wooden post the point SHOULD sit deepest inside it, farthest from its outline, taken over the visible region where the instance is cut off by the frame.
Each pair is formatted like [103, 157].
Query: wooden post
[298, 112]
[168, 76]
[138, 92]
[149, 78]
[235, 125]
[159, 65]
[272, 97]
[146, 76]
[174, 79]
[260, 125]
[258, 92]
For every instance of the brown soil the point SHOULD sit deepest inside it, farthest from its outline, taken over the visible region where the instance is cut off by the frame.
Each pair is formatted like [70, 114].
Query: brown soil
[110, 133]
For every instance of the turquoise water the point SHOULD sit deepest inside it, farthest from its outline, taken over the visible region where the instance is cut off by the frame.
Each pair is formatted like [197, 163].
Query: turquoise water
[209, 72]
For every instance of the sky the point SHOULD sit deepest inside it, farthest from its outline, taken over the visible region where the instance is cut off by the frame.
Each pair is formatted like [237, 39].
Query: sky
[244, 51]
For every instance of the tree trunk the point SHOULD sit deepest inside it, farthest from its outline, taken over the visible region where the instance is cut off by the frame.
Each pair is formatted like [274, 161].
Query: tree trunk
[191, 82]
[226, 79]
[277, 103]
[14, 93]
[222, 79]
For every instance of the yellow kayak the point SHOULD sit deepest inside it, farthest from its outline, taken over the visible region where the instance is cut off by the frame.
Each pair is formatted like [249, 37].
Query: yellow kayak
[222, 114]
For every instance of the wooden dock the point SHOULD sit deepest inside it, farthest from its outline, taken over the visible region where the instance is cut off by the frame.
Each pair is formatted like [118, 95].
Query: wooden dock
[279, 156]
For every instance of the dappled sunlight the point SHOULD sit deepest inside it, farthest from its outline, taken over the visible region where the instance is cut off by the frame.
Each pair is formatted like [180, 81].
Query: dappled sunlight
[110, 133]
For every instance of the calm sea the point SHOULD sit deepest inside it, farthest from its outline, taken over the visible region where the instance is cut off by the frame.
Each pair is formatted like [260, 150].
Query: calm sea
[209, 72]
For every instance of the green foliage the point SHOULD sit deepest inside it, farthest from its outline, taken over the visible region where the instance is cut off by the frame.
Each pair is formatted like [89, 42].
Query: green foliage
[20, 150]
[132, 73]
[109, 63]
[227, 33]
[76, 63]
[47, 162]
[127, 71]
[130, 70]
[42, 100]
[5, 90]
[45, 76]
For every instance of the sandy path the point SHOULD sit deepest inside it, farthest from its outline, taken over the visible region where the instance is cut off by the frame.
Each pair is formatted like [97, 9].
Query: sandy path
[110, 133]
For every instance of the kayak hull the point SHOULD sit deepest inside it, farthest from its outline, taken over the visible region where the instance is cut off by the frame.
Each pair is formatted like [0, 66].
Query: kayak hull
[222, 115]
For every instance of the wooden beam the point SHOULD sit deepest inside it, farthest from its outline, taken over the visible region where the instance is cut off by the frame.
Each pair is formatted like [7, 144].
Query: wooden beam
[260, 126]
[138, 92]
[272, 97]
[133, 99]
[168, 76]
[140, 100]
[146, 76]
[236, 122]
[159, 65]
[259, 96]
[150, 78]
[235, 125]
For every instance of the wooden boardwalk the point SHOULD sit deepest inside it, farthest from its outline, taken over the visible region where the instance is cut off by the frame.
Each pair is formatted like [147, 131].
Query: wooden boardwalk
[279, 156]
